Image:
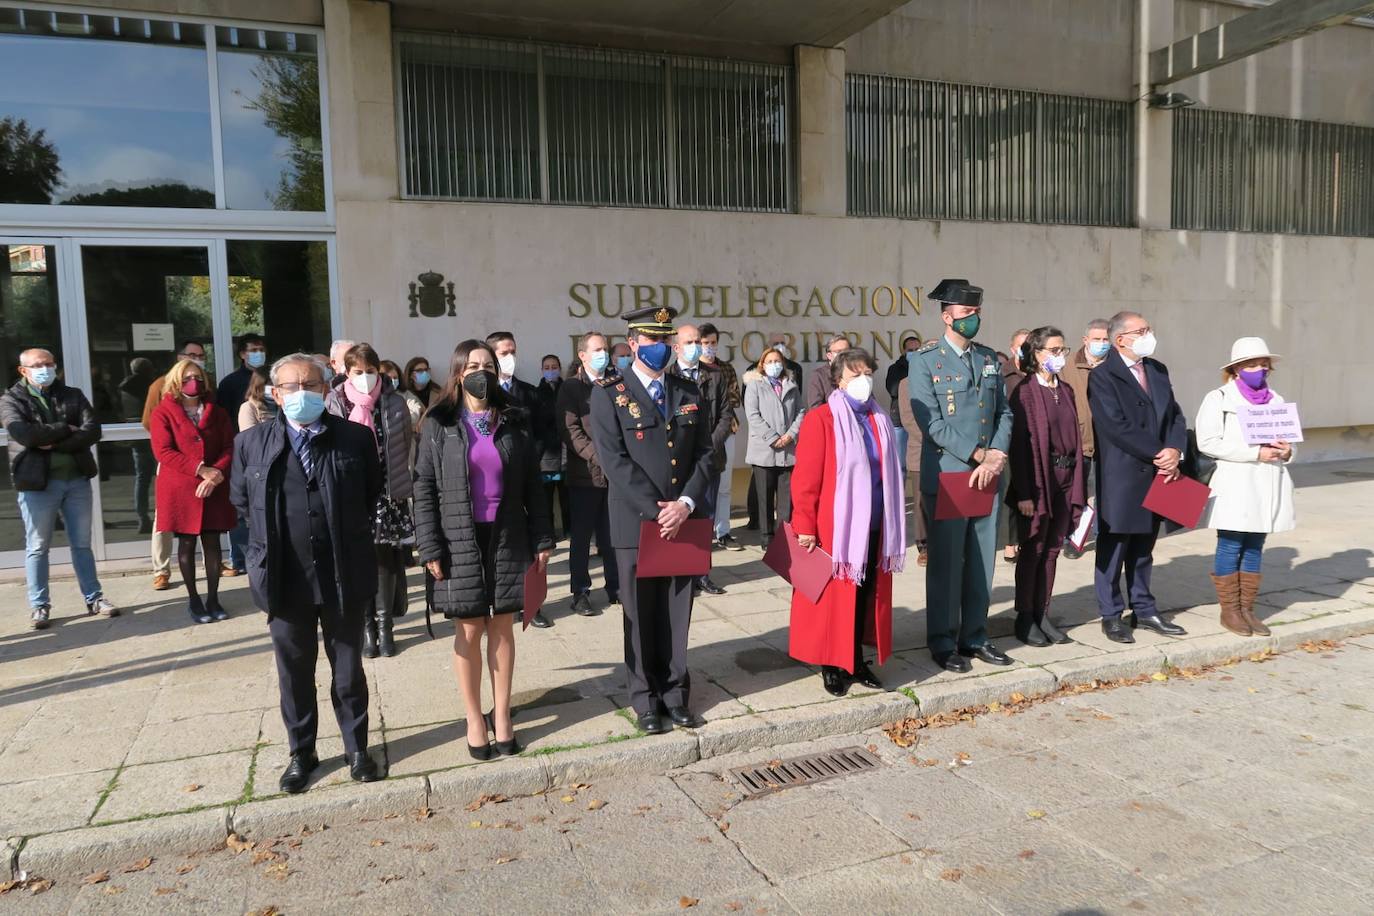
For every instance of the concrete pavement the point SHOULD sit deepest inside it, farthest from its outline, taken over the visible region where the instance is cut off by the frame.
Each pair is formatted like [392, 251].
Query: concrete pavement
[1242, 790]
[151, 731]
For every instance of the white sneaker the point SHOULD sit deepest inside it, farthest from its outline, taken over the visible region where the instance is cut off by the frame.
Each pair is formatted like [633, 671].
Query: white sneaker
[101, 605]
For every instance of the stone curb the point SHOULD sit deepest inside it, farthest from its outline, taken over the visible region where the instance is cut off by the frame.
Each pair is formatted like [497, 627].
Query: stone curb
[87, 849]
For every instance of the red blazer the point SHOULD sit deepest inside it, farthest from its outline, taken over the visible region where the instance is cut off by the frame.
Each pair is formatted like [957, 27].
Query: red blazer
[180, 448]
[823, 634]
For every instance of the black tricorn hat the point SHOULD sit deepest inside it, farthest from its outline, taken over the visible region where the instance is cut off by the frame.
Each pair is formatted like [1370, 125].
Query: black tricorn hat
[957, 292]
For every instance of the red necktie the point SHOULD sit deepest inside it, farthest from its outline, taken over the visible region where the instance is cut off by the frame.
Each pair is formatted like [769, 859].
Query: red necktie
[1139, 370]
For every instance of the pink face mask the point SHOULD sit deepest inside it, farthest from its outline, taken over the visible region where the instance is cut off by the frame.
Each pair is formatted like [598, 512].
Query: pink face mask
[192, 388]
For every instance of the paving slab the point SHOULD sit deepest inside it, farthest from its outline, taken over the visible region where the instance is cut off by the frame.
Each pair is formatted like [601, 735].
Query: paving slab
[52, 803]
[163, 788]
[210, 733]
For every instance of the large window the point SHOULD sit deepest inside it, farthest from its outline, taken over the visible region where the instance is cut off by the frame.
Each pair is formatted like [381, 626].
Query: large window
[1250, 173]
[496, 120]
[114, 110]
[919, 149]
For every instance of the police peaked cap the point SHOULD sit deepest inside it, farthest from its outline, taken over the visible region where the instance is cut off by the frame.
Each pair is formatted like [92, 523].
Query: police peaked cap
[957, 292]
[656, 320]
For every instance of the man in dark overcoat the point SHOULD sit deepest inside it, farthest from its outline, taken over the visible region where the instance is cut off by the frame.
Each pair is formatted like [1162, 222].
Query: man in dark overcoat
[655, 448]
[1140, 432]
[307, 485]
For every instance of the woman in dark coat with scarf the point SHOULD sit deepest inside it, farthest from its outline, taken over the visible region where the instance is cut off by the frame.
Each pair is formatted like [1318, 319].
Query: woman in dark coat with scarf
[847, 500]
[481, 521]
[1047, 482]
[364, 398]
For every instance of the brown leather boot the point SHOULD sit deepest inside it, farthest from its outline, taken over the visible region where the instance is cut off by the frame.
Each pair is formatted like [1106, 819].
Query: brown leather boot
[1249, 591]
[1228, 596]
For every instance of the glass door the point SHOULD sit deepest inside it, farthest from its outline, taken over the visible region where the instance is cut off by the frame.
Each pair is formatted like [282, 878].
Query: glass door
[33, 287]
[140, 300]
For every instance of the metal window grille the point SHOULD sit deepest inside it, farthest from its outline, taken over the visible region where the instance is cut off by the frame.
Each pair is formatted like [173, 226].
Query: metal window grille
[920, 149]
[1251, 173]
[483, 119]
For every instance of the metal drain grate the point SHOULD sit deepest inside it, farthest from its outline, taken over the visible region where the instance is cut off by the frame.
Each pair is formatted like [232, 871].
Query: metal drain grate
[800, 771]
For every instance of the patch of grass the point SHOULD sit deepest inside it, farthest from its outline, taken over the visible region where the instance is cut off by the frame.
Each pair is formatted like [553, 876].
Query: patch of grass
[614, 739]
[105, 794]
[160, 814]
[247, 792]
[909, 694]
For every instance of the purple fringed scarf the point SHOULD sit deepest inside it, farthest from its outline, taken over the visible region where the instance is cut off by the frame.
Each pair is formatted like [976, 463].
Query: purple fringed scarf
[854, 494]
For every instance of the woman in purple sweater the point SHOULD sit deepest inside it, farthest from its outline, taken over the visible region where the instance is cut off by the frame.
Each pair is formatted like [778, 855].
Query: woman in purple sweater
[1047, 487]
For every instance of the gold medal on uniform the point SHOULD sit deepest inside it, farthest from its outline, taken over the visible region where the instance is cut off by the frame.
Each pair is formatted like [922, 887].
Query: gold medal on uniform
[635, 411]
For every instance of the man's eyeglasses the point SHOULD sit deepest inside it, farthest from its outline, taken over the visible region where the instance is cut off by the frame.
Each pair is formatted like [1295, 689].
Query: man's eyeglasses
[293, 387]
[1137, 332]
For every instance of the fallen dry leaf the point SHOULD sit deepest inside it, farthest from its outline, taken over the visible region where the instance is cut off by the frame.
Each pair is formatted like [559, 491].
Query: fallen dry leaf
[270, 910]
[905, 859]
[164, 891]
[387, 879]
[994, 706]
[1026, 854]
[237, 843]
[912, 816]
[113, 890]
[1159, 676]
[185, 869]
[376, 843]
[192, 787]
[421, 847]
[567, 799]
[1018, 698]
[277, 872]
[873, 748]
[687, 903]
[595, 805]
[474, 825]
[267, 855]
[140, 865]
[506, 860]
[582, 785]
[1035, 814]
[952, 874]
[96, 877]
[734, 906]
[38, 886]
[489, 799]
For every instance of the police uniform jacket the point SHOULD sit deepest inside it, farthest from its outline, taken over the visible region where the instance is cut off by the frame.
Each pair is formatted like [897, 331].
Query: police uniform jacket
[715, 403]
[958, 413]
[647, 458]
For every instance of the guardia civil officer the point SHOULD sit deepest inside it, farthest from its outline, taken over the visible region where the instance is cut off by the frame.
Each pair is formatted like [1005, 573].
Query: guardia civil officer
[655, 448]
[960, 403]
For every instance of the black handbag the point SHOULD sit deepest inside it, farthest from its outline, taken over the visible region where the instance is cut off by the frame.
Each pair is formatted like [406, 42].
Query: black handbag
[1197, 465]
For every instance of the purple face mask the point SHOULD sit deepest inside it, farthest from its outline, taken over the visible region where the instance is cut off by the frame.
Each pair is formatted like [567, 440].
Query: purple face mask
[1253, 378]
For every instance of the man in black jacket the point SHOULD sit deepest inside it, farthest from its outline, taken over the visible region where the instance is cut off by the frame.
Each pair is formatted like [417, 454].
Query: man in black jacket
[307, 485]
[586, 480]
[51, 429]
[715, 399]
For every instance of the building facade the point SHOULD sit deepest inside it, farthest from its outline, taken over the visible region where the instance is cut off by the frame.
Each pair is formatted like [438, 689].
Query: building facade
[415, 173]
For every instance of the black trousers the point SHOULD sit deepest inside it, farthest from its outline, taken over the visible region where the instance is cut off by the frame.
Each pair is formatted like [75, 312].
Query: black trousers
[296, 645]
[774, 486]
[556, 493]
[591, 514]
[658, 613]
[390, 599]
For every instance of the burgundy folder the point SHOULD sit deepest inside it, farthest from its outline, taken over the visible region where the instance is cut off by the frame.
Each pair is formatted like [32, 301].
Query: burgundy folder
[956, 499]
[536, 590]
[688, 554]
[809, 573]
[1181, 501]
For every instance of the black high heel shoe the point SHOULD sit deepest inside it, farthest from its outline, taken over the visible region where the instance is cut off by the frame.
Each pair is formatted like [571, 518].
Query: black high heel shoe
[196, 608]
[508, 748]
[216, 610]
[481, 752]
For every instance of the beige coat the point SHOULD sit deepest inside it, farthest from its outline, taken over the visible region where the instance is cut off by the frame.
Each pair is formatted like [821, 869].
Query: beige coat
[1247, 494]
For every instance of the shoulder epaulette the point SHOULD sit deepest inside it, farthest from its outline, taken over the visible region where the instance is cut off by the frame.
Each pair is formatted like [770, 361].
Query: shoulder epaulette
[606, 381]
[929, 345]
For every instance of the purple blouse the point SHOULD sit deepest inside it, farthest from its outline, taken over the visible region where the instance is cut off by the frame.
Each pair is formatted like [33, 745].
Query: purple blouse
[484, 472]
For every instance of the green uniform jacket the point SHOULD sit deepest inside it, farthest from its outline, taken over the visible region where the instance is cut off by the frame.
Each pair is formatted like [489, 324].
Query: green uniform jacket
[957, 413]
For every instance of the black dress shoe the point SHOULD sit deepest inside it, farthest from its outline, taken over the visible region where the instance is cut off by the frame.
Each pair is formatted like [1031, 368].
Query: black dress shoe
[363, 768]
[704, 584]
[989, 653]
[297, 773]
[650, 723]
[612, 597]
[541, 621]
[952, 661]
[196, 608]
[1052, 631]
[582, 605]
[835, 680]
[1116, 630]
[1158, 624]
[1029, 632]
[864, 675]
[684, 717]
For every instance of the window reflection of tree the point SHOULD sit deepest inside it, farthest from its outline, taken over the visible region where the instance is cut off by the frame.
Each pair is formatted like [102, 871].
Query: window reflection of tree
[29, 168]
[289, 100]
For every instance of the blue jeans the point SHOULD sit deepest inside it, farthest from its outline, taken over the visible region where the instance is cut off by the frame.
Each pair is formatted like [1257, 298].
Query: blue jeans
[238, 545]
[39, 509]
[1238, 551]
[902, 437]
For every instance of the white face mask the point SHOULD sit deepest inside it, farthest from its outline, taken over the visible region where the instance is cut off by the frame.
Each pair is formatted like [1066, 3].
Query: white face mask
[365, 382]
[1145, 345]
[860, 387]
[507, 365]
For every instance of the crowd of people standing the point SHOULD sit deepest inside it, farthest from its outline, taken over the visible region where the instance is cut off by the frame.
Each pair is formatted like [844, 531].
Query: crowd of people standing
[332, 474]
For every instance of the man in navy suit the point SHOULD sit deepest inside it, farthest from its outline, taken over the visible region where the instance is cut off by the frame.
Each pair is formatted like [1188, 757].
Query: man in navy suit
[1140, 433]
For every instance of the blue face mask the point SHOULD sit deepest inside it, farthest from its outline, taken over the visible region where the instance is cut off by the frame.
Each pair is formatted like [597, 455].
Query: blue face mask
[552, 375]
[421, 378]
[1099, 348]
[256, 359]
[598, 361]
[43, 376]
[655, 355]
[691, 353]
[773, 369]
[623, 363]
[303, 407]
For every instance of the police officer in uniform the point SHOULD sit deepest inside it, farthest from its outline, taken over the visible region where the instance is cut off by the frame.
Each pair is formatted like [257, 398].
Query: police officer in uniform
[960, 403]
[654, 443]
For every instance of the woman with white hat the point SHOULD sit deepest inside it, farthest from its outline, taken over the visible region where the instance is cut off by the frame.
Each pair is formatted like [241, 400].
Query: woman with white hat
[1252, 493]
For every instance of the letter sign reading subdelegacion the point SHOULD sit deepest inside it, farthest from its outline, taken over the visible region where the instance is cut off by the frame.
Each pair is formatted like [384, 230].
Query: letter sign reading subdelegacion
[1265, 424]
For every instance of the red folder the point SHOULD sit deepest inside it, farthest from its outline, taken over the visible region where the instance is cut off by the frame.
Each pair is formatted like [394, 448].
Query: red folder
[809, 573]
[1181, 501]
[956, 499]
[688, 554]
[536, 590]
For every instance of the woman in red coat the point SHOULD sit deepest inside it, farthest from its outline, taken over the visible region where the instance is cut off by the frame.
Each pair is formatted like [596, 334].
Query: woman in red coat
[193, 442]
[847, 500]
